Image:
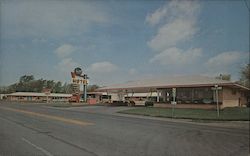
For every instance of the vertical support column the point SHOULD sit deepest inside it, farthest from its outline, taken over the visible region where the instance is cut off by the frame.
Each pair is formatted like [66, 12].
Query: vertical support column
[192, 96]
[163, 93]
[132, 95]
[108, 96]
[158, 96]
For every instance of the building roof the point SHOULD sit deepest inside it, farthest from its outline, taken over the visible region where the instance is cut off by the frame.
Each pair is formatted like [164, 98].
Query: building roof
[169, 82]
[38, 94]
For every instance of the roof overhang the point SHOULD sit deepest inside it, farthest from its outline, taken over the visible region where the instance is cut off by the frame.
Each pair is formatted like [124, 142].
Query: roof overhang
[155, 88]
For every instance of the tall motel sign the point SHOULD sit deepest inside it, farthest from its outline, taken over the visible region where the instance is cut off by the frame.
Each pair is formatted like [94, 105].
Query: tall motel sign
[79, 78]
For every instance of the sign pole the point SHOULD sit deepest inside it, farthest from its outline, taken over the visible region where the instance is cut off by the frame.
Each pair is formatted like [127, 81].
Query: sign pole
[173, 102]
[216, 88]
[85, 92]
[217, 102]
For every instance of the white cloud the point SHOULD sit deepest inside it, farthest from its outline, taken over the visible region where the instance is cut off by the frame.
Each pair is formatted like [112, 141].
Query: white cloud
[229, 62]
[225, 59]
[179, 18]
[172, 10]
[102, 67]
[64, 50]
[173, 33]
[66, 65]
[49, 18]
[177, 22]
[155, 18]
[176, 56]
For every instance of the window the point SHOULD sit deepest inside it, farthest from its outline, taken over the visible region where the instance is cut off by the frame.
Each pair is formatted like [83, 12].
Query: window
[195, 95]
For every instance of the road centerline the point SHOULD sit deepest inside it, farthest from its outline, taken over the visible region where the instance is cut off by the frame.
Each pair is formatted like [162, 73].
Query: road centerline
[57, 118]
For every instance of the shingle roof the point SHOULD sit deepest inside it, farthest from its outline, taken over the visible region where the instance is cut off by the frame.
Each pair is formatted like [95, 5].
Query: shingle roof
[169, 81]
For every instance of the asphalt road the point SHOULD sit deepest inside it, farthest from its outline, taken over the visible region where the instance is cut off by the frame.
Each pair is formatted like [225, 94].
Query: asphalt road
[28, 129]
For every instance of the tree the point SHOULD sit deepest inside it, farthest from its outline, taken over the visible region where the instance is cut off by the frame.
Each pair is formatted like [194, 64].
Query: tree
[26, 78]
[224, 77]
[4, 90]
[245, 76]
[69, 89]
[50, 84]
[27, 83]
[12, 88]
[64, 88]
[38, 85]
[57, 87]
[92, 88]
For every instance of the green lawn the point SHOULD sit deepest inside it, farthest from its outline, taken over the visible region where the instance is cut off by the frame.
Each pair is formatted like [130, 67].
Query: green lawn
[233, 114]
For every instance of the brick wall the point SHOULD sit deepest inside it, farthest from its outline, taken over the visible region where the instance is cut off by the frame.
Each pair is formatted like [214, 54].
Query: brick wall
[233, 97]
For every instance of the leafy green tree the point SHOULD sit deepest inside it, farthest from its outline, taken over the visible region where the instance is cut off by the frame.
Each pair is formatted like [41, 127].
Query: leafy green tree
[245, 76]
[92, 88]
[224, 77]
[4, 90]
[57, 87]
[27, 83]
[64, 88]
[50, 84]
[69, 89]
[26, 78]
[38, 85]
[12, 88]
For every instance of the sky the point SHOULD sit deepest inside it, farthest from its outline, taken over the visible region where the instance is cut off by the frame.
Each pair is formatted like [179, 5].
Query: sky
[115, 41]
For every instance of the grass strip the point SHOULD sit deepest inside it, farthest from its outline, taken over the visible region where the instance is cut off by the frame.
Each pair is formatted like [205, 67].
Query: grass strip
[227, 114]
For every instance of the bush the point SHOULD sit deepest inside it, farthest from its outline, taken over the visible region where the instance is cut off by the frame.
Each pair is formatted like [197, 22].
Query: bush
[149, 103]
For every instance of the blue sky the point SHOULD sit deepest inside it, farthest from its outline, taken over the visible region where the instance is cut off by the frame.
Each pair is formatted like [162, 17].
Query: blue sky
[117, 41]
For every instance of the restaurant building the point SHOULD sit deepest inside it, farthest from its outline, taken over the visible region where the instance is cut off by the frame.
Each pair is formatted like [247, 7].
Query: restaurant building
[190, 91]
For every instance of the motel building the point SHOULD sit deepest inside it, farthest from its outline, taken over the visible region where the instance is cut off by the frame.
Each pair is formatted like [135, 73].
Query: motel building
[38, 97]
[92, 97]
[190, 92]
